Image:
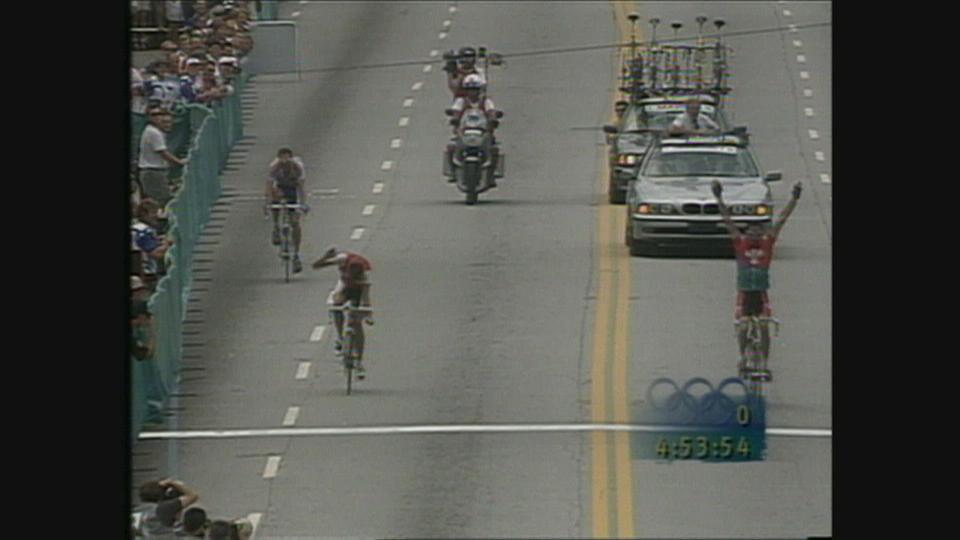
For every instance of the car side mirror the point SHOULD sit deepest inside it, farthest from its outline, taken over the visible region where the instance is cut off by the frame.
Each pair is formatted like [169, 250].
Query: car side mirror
[610, 129]
[773, 176]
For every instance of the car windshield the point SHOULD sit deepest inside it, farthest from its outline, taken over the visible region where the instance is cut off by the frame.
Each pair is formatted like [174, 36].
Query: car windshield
[701, 162]
[650, 118]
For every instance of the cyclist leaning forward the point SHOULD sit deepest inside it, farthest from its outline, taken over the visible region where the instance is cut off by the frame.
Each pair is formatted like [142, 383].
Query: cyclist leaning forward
[754, 251]
[353, 286]
[285, 186]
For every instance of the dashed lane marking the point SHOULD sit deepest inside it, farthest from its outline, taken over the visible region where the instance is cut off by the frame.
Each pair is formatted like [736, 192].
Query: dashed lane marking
[273, 465]
[357, 233]
[302, 370]
[368, 209]
[317, 333]
[290, 418]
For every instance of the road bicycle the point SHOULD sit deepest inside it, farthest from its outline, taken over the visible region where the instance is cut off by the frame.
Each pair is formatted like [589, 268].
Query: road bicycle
[286, 240]
[753, 365]
[353, 339]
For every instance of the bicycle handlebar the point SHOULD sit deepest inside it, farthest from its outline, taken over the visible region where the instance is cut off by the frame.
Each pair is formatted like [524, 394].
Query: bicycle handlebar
[287, 206]
[349, 308]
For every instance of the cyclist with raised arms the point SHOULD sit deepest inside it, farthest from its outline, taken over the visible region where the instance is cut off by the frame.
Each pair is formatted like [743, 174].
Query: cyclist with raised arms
[285, 186]
[754, 252]
[353, 286]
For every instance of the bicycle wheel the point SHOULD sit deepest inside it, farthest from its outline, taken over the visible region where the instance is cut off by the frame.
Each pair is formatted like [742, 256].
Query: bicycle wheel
[347, 351]
[285, 252]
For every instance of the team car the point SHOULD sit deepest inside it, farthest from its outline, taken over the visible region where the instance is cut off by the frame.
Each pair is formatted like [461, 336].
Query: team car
[639, 124]
[670, 204]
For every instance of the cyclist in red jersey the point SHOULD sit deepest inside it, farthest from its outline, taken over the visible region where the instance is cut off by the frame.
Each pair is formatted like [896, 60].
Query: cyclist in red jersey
[754, 252]
[353, 285]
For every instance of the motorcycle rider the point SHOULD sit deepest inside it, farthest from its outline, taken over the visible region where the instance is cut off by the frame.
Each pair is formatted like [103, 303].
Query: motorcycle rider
[457, 72]
[475, 98]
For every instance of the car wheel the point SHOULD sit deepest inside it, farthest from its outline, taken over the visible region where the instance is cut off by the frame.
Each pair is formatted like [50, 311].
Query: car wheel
[616, 196]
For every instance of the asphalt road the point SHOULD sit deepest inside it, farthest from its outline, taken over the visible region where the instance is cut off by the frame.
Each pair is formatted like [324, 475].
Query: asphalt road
[490, 314]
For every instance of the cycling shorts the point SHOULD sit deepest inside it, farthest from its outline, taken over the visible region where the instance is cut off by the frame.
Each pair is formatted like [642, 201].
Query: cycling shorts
[752, 303]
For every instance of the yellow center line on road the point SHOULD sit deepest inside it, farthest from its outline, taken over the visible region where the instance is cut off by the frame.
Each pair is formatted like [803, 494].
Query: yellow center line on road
[609, 368]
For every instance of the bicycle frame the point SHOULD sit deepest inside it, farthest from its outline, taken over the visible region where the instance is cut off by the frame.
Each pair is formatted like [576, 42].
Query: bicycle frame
[754, 356]
[353, 337]
[285, 234]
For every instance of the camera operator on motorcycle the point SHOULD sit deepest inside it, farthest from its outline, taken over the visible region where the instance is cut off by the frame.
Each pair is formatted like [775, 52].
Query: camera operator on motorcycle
[475, 98]
[457, 72]
[285, 186]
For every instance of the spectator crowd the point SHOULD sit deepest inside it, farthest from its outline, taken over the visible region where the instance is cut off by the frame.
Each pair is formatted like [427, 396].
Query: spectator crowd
[199, 66]
[168, 511]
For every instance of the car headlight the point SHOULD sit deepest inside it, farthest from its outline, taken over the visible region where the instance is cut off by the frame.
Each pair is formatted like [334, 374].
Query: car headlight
[655, 208]
[750, 210]
[627, 160]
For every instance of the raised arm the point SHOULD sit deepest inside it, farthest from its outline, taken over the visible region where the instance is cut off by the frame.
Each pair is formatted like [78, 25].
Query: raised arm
[788, 209]
[724, 211]
[326, 260]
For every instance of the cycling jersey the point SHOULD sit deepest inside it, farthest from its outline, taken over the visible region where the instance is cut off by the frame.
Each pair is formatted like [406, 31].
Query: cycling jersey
[344, 261]
[753, 262]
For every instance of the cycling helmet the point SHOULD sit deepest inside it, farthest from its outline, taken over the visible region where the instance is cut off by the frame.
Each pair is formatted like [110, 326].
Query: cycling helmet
[472, 81]
[468, 52]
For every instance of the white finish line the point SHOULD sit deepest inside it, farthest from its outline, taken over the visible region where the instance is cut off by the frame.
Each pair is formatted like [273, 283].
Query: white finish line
[449, 429]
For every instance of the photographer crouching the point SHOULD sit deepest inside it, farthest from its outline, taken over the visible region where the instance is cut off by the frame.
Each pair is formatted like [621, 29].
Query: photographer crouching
[161, 508]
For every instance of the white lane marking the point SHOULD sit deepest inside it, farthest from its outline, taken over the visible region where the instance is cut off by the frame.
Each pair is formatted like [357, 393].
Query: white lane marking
[808, 111]
[387, 165]
[434, 52]
[357, 233]
[317, 334]
[302, 370]
[813, 134]
[804, 75]
[786, 13]
[416, 86]
[802, 59]
[296, 13]
[404, 121]
[408, 102]
[427, 68]
[825, 178]
[368, 209]
[792, 27]
[446, 23]
[442, 35]
[807, 92]
[302, 2]
[378, 187]
[797, 43]
[290, 418]
[818, 156]
[273, 465]
[395, 143]
[255, 521]
[453, 9]
[462, 428]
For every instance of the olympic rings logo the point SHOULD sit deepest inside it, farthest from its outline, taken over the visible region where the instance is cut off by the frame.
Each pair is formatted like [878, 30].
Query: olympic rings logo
[711, 407]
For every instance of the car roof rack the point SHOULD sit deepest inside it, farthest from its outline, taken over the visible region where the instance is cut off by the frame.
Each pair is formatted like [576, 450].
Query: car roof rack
[739, 139]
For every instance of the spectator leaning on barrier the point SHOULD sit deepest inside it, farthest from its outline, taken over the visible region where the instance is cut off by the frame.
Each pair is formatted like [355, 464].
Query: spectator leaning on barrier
[191, 83]
[155, 158]
[142, 339]
[138, 100]
[152, 245]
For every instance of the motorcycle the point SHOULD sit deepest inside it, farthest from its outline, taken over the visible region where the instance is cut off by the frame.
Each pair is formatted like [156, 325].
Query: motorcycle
[473, 159]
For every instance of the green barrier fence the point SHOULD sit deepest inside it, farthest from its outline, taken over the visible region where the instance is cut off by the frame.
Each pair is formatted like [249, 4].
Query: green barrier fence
[210, 132]
[269, 10]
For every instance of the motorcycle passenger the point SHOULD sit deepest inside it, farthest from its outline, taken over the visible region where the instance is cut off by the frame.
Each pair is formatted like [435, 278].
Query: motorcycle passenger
[473, 99]
[754, 251]
[353, 285]
[457, 72]
[285, 186]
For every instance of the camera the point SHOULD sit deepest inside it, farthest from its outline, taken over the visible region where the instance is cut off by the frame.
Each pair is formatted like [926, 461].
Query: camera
[170, 493]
